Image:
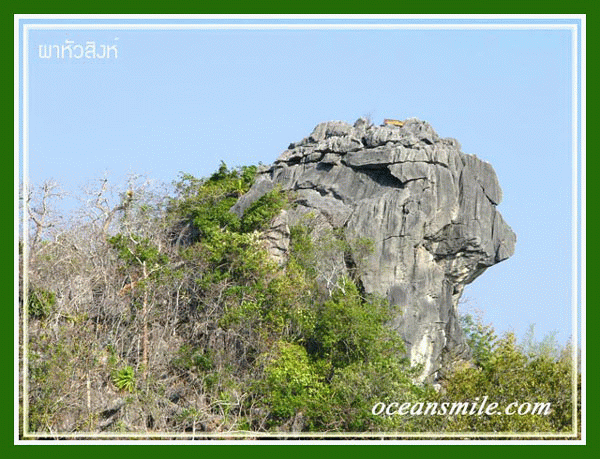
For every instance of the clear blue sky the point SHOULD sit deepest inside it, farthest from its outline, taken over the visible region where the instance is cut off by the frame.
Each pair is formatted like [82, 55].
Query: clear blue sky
[183, 100]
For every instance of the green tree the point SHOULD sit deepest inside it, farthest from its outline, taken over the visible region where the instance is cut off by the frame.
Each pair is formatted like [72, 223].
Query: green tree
[205, 203]
[509, 377]
[141, 260]
[548, 346]
[480, 338]
[263, 210]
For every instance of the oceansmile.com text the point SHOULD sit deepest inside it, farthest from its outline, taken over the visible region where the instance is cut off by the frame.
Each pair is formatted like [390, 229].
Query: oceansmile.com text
[476, 407]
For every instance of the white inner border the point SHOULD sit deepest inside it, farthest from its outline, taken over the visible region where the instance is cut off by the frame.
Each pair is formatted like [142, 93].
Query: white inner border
[577, 122]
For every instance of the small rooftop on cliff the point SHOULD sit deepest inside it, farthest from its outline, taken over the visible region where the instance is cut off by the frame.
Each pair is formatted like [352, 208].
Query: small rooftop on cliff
[392, 122]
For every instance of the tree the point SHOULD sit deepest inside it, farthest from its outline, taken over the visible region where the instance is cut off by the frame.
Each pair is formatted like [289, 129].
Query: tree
[548, 347]
[480, 338]
[508, 376]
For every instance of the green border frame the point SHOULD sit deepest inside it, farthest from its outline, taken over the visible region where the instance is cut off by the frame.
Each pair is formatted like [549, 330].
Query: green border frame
[266, 7]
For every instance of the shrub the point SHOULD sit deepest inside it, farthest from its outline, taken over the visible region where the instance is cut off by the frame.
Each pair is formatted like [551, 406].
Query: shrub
[480, 338]
[263, 210]
[206, 202]
[292, 383]
[188, 358]
[511, 376]
[124, 379]
[40, 303]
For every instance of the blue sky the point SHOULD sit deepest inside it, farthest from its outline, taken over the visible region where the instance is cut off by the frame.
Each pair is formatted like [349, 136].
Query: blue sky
[183, 100]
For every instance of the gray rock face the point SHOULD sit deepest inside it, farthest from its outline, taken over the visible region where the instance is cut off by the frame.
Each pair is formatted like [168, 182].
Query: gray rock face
[429, 209]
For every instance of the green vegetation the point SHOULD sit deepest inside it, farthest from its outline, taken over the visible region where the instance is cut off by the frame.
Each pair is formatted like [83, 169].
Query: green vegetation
[40, 303]
[480, 338]
[509, 376]
[261, 212]
[180, 321]
[206, 203]
[124, 379]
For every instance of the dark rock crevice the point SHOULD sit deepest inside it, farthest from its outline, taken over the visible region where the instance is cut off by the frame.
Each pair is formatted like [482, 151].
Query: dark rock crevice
[382, 177]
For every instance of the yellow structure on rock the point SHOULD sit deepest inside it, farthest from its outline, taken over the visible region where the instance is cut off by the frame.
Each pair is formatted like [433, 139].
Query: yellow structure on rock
[389, 122]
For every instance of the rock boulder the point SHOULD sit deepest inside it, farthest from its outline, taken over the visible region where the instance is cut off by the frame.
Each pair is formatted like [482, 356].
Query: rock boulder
[429, 209]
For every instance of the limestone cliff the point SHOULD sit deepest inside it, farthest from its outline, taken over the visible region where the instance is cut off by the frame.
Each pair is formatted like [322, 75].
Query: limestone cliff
[429, 208]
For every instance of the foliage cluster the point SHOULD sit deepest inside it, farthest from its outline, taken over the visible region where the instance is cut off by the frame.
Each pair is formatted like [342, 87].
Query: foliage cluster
[508, 376]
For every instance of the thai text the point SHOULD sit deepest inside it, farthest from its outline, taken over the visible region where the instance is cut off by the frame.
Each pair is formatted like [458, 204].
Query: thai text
[72, 50]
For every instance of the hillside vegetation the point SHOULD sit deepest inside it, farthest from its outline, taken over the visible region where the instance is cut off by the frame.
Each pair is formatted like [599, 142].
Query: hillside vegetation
[163, 313]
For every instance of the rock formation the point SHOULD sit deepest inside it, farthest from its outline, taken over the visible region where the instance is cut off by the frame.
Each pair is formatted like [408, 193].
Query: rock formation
[429, 209]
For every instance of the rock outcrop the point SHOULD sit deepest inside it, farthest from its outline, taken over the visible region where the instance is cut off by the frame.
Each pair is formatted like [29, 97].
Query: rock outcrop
[429, 209]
